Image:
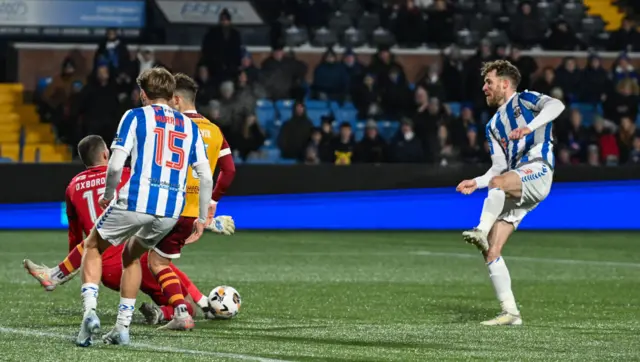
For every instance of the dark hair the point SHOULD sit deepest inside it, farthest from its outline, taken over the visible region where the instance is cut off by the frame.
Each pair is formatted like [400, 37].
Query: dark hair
[89, 149]
[503, 69]
[186, 86]
[157, 83]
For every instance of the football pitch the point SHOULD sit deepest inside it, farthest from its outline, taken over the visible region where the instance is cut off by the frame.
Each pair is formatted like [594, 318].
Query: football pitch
[352, 296]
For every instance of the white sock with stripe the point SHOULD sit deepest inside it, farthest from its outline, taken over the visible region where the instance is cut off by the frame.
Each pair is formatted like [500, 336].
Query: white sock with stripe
[89, 293]
[501, 280]
[125, 312]
[491, 209]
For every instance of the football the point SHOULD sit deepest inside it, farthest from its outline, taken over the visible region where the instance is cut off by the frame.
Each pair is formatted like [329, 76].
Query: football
[224, 302]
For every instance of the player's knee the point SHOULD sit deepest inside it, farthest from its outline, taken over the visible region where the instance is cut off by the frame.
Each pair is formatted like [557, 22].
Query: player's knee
[157, 263]
[496, 182]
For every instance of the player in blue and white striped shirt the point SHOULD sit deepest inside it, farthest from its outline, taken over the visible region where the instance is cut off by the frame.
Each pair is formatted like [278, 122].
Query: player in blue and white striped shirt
[521, 145]
[162, 143]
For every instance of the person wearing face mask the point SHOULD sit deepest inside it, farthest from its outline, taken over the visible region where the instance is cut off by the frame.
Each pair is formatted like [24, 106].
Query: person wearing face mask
[406, 147]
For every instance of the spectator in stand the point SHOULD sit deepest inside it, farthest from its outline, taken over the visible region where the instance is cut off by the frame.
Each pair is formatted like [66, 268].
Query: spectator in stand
[593, 155]
[574, 137]
[626, 135]
[406, 147]
[453, 74]
[432, 82]
[230, 115]
[99, 107]
[595, 81]
[602, 136]
[299, 70]
[622, 103]
[623, 69]
[424, 126]
[295, 133]
[396, 95]
[372, 148]
[546, 82]
[381, 64]
[445, 153]
[459, 128]
[249, 139]
[526, 26]
[526, 64]
[563, 118]
[354, 68]
[56, 98]
[247, 94]
[367, 98]
[206, 88]
[569, 79]
[634, 155]
[626, 38]
[278, 75]
[409, 25]
[113, 52]
[343, 146]
[439, 24]
[222, 48]
[562, 37]
[145, 59]
[247, 66]
[330, 78]
[472, 151]
[564, 157]
[320, 145]
[326, 126]
[473, 79]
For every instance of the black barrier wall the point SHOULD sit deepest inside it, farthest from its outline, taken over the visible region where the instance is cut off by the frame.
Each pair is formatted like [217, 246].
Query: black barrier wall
[22, 183]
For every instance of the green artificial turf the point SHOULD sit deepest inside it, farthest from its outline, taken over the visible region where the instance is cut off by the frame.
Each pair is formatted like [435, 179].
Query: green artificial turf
[376, 296]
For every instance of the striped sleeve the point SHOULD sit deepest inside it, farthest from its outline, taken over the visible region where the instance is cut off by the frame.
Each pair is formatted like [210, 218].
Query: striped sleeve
[225, 150]
[125, 136]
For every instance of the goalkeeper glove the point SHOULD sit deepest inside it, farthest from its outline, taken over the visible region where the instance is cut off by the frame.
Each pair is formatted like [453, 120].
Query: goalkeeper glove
[222, 225]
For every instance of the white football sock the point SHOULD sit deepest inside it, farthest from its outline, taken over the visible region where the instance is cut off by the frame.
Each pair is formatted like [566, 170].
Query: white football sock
[89, 293]
[181, 311]
[501, 280]
[491, 209]
[56, 274]
[125, 312]
[203, 302]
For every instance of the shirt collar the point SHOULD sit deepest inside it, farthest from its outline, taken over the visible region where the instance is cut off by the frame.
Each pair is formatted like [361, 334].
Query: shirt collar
[508, 100]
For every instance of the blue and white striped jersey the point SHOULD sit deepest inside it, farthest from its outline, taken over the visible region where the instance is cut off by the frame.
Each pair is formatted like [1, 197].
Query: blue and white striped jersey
[517, 112]
[163, 143]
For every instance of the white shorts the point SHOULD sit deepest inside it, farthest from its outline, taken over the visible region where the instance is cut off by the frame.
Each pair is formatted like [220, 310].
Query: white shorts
[536, 179]
[117, 225]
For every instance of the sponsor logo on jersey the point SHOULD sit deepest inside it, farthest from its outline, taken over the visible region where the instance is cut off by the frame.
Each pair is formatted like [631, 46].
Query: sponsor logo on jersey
[532, 176]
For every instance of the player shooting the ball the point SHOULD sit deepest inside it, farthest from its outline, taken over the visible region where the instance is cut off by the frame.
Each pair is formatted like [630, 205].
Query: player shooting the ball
[521, 146]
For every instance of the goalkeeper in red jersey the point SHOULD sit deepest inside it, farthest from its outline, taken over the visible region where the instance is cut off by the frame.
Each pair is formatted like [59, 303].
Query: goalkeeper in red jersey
[82, 197]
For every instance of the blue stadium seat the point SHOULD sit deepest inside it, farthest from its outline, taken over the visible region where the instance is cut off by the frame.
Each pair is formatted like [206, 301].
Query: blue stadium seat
[588, 112]
[456, 108]
[5, 160]
[346, 114]
[265, 115]
[287, 162]
[316, 104]
[316, 115]
[284, 108]
[264, 103]
[388, 129]
[42, 84]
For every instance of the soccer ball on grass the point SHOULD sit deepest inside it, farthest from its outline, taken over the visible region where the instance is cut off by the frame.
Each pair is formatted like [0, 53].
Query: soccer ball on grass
[224, 303]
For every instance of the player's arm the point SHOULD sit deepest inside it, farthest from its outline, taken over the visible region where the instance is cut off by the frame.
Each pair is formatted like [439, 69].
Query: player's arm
[227, 172]
[498, 166]
[549, 108]
[120, 150]
[75, 229]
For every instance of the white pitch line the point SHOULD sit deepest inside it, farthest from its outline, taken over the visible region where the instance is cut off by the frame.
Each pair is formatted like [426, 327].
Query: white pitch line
[539, 260]
[33, 333]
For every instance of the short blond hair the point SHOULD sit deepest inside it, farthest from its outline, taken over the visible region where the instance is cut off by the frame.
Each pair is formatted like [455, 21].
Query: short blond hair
[504, 69]
[157, 83]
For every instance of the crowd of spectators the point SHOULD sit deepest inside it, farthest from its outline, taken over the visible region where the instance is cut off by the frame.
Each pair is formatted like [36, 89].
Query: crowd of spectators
[428, 130]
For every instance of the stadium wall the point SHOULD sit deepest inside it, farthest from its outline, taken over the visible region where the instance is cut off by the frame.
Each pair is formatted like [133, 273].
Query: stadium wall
[358, 197]
[28, 66]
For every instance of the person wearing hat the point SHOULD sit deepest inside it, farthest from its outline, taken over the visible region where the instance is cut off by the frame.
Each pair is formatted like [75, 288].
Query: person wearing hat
[372, 148]
[354, 68]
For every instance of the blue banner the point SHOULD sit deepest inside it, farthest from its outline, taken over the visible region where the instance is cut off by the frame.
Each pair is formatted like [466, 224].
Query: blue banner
[72, 13]
[570, 206]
